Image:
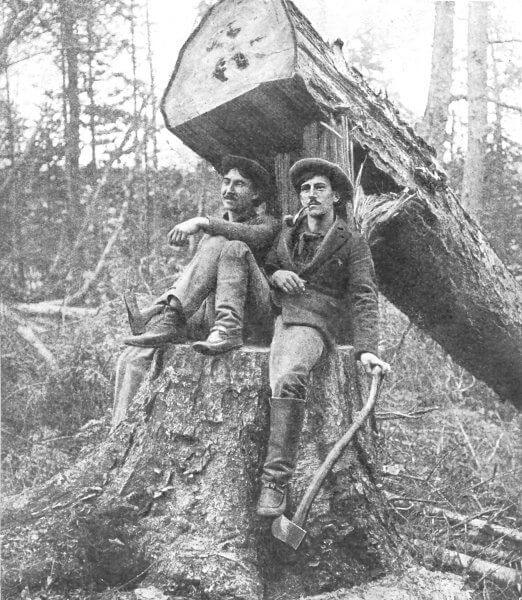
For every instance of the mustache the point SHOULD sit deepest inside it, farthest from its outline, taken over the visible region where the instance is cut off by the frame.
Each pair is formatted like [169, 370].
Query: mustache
[229, 196]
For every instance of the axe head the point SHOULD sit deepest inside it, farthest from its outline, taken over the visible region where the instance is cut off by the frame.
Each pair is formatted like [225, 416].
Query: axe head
[288, 532]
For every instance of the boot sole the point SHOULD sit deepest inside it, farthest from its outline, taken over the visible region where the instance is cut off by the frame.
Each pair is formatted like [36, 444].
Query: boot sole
[140, 344]
[203, 348]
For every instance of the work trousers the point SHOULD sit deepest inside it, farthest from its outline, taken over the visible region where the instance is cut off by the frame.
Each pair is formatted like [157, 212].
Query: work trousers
[213, 289]
[294, 352]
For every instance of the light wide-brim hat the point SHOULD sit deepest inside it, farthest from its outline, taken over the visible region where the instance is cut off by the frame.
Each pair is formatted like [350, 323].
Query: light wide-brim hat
[259, 176]
[307, 168]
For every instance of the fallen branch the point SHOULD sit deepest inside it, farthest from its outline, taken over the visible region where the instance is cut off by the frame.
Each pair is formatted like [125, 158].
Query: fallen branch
[489, 553]
[450, 558]
[30, 336]
[416, 414]
[55, 308]
[492, 529]
[26, 331]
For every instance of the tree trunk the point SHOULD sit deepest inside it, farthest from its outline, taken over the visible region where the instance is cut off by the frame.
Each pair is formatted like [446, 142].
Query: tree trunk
[90, 89]
[151, 132]
[439, 96]
[72, 101]
[277, 77]
[152, 92]
[15, 206]
[168, 499]
[474, 165]
[499, 156]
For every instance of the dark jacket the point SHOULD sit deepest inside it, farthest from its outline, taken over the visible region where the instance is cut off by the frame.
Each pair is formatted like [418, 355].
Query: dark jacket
[257, 231]
[340, 283]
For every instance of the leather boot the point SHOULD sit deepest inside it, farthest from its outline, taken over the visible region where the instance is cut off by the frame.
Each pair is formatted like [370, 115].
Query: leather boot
[138, 319]
[286, 423]
[171, 328]
[219, 341]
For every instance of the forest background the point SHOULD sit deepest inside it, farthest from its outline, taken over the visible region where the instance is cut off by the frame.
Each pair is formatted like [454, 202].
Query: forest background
[91, 182]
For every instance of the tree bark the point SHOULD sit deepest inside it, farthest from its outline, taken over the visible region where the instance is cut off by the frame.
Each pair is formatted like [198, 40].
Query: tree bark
[474, 165]
[277, 77]
[72, 102]
[90, 87]
[439, 95]
[168, 499]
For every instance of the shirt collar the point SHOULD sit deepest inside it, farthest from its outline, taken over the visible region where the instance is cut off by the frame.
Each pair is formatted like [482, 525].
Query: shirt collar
[304, 231]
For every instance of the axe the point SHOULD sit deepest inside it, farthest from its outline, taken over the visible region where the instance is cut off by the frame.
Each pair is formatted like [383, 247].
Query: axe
[291, 532]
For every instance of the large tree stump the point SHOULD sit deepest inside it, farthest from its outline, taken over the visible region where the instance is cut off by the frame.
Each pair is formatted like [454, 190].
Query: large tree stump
[168, 499]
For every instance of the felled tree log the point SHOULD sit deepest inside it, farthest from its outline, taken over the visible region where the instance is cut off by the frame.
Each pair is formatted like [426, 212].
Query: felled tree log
[168, 500]
[255, 78]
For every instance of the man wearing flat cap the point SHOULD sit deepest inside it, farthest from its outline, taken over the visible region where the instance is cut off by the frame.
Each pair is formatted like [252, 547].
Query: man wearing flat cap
[220, 284]
[319, 267]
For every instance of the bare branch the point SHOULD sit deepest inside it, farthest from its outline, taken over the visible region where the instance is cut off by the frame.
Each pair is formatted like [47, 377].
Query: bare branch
[114, 155]
[389, 414]
[20, 165]
[508, 106]
[514, 107]
[512, 40]
[27, 333]
[24, 58]
[16, 23]
[92, 278]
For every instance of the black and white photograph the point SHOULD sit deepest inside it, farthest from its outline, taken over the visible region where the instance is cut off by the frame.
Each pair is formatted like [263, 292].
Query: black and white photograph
[261, 299]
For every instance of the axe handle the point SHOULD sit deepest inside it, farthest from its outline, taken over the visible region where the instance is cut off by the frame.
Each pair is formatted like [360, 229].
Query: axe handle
[317, 481]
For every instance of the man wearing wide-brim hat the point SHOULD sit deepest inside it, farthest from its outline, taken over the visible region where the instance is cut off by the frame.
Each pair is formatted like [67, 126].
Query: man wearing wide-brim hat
[319, 267]
[222, 287]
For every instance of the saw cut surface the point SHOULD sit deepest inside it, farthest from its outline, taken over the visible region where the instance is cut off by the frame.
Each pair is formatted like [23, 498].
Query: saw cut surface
[236, 47]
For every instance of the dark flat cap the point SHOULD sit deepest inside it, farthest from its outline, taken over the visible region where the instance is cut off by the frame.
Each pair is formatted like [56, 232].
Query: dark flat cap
[309, 167]
[251, 169]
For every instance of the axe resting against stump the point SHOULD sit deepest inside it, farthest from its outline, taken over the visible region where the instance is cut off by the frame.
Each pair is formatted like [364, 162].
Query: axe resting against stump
[290, 531]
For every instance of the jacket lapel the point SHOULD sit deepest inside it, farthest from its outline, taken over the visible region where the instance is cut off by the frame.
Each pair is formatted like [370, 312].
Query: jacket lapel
[285, 248]
[334, 239]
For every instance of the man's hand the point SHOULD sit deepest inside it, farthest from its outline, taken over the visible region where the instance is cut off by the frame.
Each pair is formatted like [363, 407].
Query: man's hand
[178, 236]
[372, 363]
[288, 281]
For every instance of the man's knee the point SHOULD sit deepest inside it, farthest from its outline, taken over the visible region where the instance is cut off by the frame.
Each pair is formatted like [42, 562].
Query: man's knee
[212, 243]
[234, 248]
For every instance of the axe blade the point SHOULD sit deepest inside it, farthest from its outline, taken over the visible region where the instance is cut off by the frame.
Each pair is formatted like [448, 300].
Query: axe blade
[288, 532]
